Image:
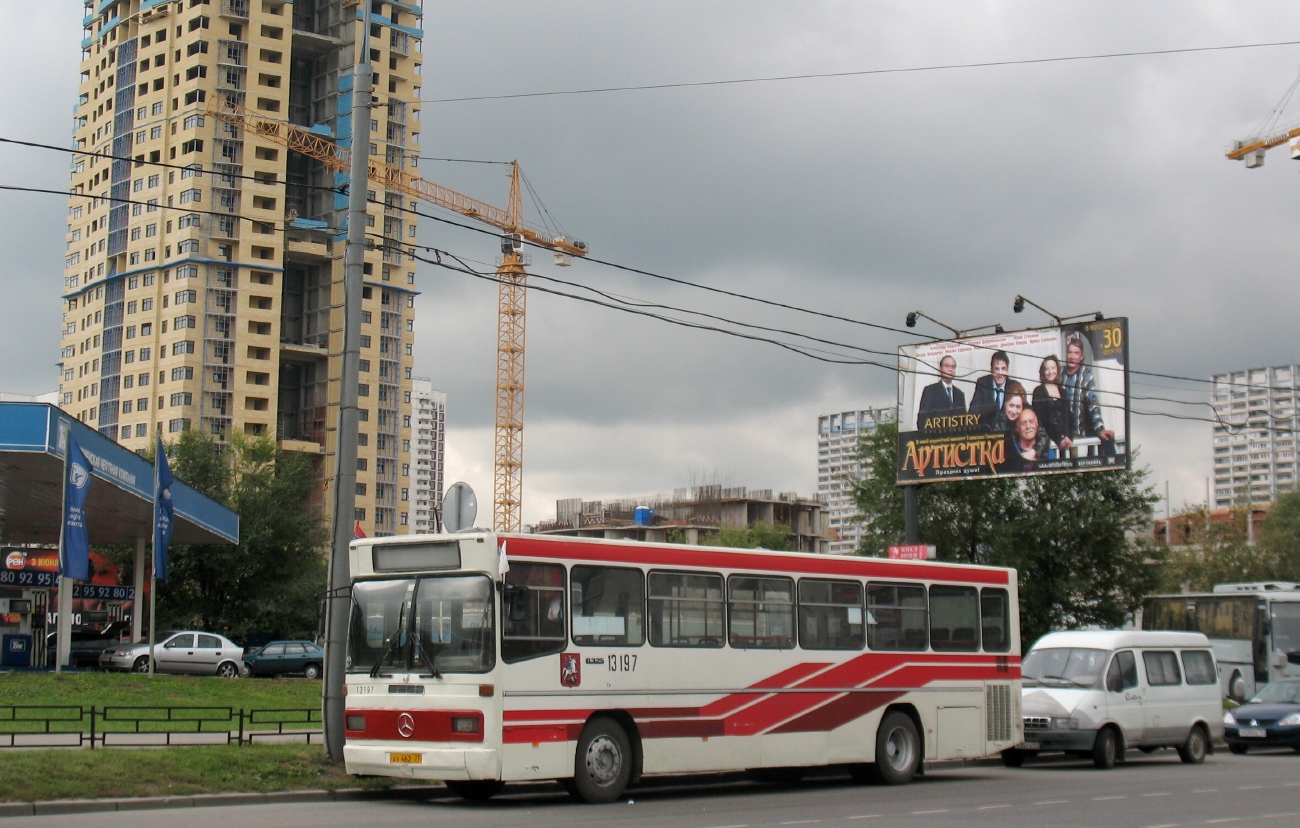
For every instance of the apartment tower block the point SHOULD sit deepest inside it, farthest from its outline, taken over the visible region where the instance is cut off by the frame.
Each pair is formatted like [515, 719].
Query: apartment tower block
[203, 284]
[428, 453]
[838, 466]
[1257, 417]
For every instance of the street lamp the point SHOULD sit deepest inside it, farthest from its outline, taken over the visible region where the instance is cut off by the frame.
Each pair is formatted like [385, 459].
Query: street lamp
[1019, 306]
[914, 315]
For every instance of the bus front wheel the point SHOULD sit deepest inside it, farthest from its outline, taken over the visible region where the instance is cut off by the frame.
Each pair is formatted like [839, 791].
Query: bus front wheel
[603, 765]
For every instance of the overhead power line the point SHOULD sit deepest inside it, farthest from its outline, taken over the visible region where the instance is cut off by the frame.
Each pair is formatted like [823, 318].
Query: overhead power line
[862, 72]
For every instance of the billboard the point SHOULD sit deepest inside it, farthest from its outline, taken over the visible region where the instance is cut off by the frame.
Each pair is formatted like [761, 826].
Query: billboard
[1038, 401]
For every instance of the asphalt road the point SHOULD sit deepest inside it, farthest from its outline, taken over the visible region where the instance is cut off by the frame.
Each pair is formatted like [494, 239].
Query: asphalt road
[1148, 791]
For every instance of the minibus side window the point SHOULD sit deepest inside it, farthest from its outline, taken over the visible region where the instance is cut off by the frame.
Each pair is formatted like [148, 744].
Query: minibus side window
[1123, 672]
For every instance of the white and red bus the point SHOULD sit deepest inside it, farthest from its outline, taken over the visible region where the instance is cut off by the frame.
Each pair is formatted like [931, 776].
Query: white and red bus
[480, 659]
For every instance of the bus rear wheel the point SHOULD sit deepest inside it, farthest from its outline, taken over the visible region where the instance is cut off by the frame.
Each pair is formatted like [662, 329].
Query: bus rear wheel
[603, 765]
[898, 750]
[476, 790]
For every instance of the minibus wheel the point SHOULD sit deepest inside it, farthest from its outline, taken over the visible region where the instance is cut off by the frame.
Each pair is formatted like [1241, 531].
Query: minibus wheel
[1193, 751]
[1105, 751]
[603, 764]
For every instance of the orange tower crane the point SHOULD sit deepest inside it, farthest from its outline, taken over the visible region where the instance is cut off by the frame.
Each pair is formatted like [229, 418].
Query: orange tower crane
[511, 277]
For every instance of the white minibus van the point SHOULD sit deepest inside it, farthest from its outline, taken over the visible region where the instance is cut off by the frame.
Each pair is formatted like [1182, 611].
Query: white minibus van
[1097, 694]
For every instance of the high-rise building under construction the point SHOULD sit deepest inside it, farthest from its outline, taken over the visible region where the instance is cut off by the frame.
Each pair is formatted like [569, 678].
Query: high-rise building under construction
[203, 285]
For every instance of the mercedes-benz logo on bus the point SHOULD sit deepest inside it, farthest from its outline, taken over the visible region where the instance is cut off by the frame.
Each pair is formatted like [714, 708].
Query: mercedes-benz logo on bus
[406, 725]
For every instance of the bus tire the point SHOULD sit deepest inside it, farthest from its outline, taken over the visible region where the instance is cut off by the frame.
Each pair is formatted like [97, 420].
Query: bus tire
[1105, 751]
[1193, 751]
[898, 750]
[603, 764]
[1237, 687]
[474, 790]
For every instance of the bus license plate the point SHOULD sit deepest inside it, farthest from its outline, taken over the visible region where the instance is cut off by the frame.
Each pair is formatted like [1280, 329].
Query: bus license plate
[1253, 733]
[405, 759]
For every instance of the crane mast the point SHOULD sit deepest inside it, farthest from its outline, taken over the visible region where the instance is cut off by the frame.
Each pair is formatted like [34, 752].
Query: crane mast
[511, 278]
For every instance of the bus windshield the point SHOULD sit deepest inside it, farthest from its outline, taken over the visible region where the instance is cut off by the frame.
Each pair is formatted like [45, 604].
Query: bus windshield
[435, 625]
[1063, 667]
[1286, 626]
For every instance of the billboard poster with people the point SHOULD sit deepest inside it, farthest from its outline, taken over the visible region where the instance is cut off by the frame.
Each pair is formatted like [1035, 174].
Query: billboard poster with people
[1039, 401]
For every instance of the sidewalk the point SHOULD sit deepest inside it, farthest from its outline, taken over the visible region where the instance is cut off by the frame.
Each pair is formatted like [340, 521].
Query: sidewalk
[90, 806]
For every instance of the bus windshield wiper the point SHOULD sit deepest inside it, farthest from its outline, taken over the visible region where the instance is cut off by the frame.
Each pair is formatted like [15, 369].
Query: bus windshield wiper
[428, 659]
[388, 647]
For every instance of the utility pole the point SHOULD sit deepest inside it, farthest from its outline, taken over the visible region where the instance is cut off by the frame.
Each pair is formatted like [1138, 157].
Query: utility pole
[338, 600]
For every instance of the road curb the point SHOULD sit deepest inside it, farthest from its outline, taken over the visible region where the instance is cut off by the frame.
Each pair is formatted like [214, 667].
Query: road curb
[149, 803]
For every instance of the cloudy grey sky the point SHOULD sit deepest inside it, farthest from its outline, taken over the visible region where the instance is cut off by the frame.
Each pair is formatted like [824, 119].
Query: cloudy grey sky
[1085, 185]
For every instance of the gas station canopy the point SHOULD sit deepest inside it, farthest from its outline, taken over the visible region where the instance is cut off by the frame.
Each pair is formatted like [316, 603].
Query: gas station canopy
[119, 508]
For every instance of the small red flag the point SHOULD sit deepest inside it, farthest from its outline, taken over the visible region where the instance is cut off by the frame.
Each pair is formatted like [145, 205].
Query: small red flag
[357, 531]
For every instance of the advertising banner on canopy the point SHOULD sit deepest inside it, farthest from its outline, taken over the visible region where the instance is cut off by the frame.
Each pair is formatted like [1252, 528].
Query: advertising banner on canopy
[1038, 401]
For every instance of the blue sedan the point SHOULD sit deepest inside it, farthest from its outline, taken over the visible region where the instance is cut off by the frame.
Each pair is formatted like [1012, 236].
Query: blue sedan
[1270, 719]
[285, 657]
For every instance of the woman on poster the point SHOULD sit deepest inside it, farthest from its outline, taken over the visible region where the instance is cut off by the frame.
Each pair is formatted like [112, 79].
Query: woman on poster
[1050, 406]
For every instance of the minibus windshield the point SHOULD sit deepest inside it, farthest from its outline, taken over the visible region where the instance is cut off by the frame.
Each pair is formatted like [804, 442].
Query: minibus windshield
[1063, 667]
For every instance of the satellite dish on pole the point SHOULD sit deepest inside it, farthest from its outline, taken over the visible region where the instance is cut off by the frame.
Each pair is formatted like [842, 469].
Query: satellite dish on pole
[459, 508]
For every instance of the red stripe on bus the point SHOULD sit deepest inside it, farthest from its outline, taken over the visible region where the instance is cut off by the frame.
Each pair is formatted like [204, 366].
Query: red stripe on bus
[699, 558]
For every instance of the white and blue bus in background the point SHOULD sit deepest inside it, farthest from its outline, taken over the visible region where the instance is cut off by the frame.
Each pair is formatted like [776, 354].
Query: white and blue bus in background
[1254, 629]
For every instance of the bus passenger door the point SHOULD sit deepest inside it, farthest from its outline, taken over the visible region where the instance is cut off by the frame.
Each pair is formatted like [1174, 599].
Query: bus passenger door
[1125, 697]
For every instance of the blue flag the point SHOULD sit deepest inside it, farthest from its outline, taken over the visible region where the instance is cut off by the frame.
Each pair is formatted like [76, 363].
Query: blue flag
[163, 512]
[74, 558]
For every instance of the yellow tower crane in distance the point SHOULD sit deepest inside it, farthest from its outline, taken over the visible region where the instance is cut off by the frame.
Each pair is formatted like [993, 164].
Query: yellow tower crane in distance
[1252, 150]
[511, 278]
[1269, 135]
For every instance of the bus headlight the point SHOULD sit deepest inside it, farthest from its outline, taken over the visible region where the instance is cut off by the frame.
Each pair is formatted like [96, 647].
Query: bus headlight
[464, 724]
[356, 723]
[1065, 724]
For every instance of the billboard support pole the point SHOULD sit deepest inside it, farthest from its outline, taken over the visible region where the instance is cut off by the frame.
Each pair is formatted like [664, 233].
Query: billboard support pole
[911, 517]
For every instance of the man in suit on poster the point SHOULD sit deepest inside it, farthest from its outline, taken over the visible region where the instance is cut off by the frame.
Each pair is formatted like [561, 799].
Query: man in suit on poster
[942, 398]
[991, 389]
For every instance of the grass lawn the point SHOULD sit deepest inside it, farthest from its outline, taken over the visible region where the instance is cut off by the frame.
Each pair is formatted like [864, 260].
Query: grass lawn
[41, 775]
[37, 775]
[134, 690]
[124, 702]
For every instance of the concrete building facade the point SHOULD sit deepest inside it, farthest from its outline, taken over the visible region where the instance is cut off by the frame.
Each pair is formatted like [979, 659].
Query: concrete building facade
[203, 278]
[1255, 434]
[428, 453]
[689, 515]
[837, 463]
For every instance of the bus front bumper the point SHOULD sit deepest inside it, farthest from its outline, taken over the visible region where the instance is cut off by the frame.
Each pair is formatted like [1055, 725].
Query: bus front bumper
[418, 762]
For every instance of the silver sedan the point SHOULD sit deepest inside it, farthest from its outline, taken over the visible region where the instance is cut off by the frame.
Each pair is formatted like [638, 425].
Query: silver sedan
[188, 651]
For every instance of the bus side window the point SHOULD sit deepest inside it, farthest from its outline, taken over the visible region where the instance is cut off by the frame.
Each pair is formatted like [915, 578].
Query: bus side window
[995, 615]
[896, 617]
[608, 605]
[830, 615]
[686, 609]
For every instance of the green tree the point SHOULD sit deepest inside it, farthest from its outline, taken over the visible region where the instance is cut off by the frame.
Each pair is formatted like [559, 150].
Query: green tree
[1068, 535]
[1279, 537]
[270, 582]
[774, 536]
[1212, 552]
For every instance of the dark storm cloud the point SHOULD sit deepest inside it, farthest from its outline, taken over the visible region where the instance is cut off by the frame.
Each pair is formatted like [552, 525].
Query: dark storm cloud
[1090, 185]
